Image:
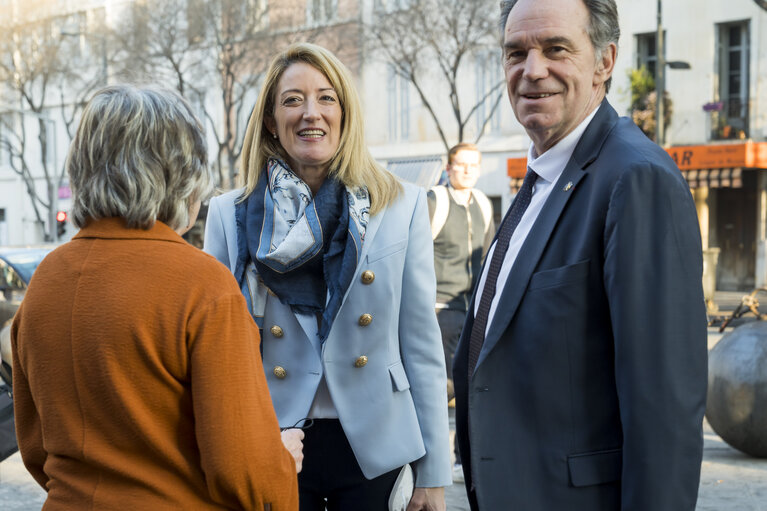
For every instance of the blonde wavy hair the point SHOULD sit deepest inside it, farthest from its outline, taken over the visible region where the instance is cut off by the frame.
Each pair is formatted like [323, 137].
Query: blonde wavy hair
[352, 163]
[139, 154]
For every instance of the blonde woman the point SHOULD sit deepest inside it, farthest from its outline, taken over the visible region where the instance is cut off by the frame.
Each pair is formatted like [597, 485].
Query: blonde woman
[136, 373]
[334, 258]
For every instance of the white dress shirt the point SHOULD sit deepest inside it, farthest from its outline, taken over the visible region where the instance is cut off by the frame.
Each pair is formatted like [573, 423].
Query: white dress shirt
[549, 166]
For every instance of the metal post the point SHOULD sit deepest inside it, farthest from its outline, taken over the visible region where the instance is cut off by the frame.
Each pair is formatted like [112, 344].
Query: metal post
[660, 84]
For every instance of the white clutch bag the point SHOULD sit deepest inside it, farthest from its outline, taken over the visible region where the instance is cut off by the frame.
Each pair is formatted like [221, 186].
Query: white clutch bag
[402, 491]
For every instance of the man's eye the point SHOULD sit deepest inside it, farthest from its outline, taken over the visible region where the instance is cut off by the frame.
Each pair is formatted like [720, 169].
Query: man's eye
[557, 49]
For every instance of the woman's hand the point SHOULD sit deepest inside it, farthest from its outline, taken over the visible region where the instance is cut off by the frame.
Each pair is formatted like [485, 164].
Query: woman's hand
[427, 499]
[292, 440]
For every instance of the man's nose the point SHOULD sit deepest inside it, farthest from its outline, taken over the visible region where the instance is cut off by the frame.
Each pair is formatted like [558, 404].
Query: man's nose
[535, 66]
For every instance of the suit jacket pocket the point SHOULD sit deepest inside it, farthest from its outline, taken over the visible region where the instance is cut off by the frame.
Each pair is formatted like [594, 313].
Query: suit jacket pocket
[375, 255]
[592, 468]
[559, 276]
[398, 377]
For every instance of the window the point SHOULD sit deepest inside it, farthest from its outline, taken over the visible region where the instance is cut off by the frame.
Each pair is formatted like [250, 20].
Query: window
[50, 143]
[321, 11]
[257, 14]
[4, 157]
[489, 73]
[70, 31]
[733, 62]
[647, 52]
[3, 228]
[8, 141]
[197, 101]
[195, 21]
[399, 107]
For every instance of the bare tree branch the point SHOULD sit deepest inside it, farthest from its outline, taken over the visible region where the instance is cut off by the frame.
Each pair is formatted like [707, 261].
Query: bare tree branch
[35, 58]
[431, 41]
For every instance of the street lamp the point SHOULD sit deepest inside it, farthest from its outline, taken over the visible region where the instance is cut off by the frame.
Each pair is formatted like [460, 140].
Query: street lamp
[660, 81]
[678, 64]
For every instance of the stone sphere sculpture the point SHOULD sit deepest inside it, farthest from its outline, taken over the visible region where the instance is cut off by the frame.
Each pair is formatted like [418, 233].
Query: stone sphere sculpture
[736, 406]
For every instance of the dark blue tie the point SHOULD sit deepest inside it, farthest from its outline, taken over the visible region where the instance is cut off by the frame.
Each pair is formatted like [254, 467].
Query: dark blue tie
[508, 226]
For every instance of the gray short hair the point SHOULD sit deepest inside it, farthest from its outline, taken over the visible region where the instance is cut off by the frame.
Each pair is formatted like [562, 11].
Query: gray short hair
[604, 27]
[139, 154]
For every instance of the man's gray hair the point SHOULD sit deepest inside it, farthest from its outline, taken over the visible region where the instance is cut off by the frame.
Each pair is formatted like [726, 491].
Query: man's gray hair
[604, 27]
[139, 154]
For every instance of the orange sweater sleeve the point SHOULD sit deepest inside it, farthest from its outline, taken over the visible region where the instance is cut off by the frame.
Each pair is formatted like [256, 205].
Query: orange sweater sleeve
[241, 450]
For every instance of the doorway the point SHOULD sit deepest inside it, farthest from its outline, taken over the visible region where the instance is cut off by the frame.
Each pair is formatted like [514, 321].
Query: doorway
[735, 235]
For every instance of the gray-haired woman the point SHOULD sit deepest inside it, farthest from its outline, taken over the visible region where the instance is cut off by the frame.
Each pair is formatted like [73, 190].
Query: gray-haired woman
[137, 376]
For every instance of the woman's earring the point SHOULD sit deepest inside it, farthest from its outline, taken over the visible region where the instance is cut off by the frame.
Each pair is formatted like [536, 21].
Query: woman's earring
[274, 135]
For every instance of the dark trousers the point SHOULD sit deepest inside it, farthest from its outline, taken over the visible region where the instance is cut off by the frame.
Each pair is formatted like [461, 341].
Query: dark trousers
[450, 325]
[332, 479]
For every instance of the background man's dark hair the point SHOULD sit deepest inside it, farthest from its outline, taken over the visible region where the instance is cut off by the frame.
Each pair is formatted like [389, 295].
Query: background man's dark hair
[603, 25]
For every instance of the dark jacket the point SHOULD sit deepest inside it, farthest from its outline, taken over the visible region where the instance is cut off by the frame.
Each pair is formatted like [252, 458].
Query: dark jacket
[590, 387]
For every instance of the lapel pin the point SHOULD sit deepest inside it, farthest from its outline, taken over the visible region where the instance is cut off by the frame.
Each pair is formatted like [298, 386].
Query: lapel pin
[568, 186]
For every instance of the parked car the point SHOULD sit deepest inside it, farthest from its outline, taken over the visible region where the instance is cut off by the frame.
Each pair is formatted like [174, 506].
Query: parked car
[17, 264]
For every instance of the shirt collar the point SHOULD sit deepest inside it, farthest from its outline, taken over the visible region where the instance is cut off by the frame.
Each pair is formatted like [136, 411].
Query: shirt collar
[551, 163]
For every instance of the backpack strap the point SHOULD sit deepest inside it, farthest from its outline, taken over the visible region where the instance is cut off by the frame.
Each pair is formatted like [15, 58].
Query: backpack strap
[441, 209]
[485, 206]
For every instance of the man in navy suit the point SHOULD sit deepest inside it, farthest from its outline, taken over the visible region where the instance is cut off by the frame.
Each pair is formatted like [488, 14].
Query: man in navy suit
[580, 376]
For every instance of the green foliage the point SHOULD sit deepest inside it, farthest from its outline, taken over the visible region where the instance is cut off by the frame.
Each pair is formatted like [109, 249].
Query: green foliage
[642, 84]
[643, 101]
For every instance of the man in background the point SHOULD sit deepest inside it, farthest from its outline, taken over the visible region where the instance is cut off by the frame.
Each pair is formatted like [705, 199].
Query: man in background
[462, 229]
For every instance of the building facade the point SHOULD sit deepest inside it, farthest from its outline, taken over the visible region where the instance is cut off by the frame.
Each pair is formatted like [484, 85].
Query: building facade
[717, 132]
[719, 125]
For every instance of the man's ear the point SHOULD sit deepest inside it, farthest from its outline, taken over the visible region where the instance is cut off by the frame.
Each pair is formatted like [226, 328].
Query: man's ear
[605, 64]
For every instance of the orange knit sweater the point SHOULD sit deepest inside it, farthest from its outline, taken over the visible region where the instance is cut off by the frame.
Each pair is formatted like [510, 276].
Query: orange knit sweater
[138, 381]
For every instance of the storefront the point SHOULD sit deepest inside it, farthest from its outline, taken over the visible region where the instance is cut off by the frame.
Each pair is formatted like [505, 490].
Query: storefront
[730, 190]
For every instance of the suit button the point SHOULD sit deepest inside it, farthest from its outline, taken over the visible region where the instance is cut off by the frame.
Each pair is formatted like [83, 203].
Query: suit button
[277, 331]
[280, 372]
[361, 361]
[365, 319]
[368, 277]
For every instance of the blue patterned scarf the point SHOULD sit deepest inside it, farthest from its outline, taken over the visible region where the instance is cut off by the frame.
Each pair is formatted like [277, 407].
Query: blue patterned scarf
[305, 249]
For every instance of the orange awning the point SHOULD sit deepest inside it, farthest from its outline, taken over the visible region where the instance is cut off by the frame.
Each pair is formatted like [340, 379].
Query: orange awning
[720, 156]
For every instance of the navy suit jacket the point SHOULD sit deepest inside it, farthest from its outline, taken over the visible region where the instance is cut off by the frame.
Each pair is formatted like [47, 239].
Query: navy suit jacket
[590, 387]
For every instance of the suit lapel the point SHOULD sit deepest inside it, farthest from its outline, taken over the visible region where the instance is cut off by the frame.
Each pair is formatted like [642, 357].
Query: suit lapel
[370, 232]
[585, 153]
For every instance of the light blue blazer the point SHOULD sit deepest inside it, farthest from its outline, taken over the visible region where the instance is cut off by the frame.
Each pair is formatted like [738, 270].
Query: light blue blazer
[393, 409]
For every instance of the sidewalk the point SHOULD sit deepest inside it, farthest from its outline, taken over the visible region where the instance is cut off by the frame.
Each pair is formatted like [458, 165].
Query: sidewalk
[730, 480]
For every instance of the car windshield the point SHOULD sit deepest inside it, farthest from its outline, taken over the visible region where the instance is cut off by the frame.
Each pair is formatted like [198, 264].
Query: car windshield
[25, 261]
